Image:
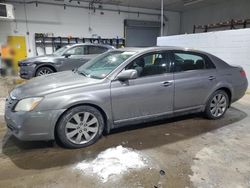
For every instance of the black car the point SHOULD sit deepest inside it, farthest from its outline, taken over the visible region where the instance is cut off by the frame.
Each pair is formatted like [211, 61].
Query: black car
[66, 58]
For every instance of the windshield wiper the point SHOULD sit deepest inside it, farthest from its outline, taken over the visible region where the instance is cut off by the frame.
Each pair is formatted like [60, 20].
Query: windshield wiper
[88, 75]
[82, 73]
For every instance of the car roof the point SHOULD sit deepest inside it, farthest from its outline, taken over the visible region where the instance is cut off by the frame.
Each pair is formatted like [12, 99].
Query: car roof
[156, 48]
[92, 44]
[217, 61]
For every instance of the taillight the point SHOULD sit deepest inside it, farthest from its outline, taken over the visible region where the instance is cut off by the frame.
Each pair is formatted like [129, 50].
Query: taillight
[243, 73]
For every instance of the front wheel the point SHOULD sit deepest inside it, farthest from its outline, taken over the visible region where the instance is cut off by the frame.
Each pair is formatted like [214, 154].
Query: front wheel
[217, 105]
[44, 71]
[80, 127]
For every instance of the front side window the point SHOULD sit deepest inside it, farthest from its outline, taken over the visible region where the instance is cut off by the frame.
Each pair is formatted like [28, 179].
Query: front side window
[104, 64]
[78, 50]
[151, 64]
[61, 50]
[186, 61]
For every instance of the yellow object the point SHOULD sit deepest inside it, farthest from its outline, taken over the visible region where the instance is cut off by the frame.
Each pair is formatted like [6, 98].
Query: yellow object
[6, 52]
[19, 81]
[18, 45]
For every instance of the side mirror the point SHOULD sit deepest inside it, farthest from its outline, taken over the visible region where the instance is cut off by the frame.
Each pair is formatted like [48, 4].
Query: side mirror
[127, 75]
[66, 55]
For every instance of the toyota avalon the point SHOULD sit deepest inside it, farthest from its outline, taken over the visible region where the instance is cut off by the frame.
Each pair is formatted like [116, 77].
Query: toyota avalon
[119, 88]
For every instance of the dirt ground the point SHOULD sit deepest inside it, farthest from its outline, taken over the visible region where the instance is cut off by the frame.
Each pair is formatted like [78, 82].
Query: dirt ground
[189, 151]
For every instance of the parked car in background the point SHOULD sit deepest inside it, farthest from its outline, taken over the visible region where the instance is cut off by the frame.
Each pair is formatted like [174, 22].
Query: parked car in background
[122, 87]
[66, 58]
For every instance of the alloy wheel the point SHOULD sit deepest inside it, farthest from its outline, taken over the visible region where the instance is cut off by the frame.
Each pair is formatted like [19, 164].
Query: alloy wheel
[81, 128]
[218, 105]
[44, 72]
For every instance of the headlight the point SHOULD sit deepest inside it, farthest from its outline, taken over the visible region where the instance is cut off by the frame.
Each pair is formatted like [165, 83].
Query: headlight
[24, 64]
[28, 104]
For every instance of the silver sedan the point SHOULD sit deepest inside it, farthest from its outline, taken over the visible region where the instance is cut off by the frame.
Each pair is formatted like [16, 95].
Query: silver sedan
[122, 87]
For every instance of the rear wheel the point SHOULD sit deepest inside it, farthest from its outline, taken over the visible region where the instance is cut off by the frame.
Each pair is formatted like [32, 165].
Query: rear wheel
[80, 127]
[217, 105]
[44, 71]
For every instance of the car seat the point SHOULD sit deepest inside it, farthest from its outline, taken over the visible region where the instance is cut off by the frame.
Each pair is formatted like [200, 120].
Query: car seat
[199, 64]
[139, 66]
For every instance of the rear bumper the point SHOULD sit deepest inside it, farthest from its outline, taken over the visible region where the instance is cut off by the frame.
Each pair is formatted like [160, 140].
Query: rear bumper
[240, 91]
[31, 126]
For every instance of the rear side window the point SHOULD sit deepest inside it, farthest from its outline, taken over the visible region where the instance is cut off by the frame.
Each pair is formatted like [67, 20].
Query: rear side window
[96, 49]
[186, 61]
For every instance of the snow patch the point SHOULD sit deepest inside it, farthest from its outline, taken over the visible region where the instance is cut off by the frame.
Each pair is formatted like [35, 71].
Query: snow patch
[113, 161]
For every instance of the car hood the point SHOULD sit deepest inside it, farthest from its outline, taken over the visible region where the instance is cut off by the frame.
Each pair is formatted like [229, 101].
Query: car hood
[44, 85]
[43, 58]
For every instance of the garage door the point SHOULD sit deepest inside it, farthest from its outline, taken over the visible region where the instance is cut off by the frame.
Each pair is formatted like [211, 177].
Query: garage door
[141, 33]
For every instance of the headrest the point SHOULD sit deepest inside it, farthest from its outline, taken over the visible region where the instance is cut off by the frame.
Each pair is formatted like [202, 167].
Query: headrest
[188, 65]
[200, 64]
[140, 62]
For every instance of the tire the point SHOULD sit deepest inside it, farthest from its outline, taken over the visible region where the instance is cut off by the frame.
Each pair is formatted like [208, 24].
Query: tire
[80, 127]
[44, 71]
[217, 105]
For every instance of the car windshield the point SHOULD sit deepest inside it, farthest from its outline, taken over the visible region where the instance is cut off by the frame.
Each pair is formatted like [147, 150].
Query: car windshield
[61, 51]
[104, 64]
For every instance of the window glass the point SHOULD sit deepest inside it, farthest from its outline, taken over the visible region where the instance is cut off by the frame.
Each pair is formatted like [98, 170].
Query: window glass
[151, 64]
[3, 11]
[187, 61]
[61, 50]
[78, 50]
[97, 50]
[104, 64]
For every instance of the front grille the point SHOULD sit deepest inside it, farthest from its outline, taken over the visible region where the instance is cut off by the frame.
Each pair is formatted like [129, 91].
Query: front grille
[23, 73]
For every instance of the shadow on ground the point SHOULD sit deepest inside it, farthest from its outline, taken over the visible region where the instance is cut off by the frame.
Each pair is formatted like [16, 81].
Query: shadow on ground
[42, 155]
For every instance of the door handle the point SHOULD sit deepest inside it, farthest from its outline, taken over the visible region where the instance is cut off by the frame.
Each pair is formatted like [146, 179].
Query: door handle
[211, 77]
[166, 83]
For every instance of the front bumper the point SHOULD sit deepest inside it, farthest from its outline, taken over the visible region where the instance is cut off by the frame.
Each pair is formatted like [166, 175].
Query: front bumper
[33, 125]
[27, 71]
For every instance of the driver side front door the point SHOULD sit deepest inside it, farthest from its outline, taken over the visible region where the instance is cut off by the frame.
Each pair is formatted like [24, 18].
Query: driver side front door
[150, 95]
[74, 58]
